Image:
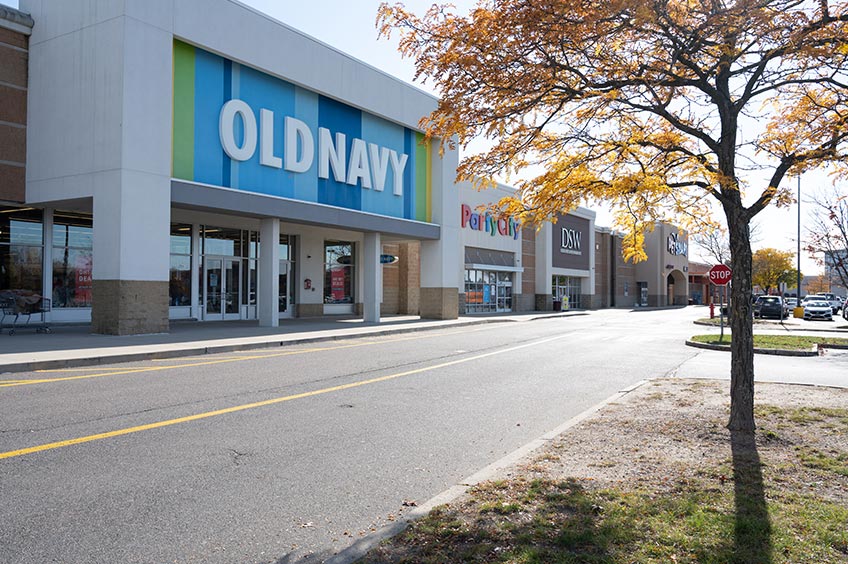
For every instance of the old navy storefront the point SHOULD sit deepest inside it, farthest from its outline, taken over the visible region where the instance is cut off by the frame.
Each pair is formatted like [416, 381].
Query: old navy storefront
[241, 129]
[233, 179]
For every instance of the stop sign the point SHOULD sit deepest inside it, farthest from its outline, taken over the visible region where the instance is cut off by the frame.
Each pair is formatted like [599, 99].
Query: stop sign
[720, 274]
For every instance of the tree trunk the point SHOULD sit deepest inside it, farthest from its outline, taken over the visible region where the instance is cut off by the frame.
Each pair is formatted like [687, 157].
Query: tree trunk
[741, 324]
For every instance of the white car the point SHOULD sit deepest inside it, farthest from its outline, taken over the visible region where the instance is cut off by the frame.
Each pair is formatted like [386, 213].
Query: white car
[818, 309]
[833, 300]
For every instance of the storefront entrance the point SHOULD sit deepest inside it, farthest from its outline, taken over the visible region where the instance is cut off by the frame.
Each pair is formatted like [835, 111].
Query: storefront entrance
[487, 291]
[222, 289]
[669, 291]
[285, 276]
[568, 290]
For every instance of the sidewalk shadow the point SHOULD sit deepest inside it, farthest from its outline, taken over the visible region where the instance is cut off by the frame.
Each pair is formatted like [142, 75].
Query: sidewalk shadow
[752, 530]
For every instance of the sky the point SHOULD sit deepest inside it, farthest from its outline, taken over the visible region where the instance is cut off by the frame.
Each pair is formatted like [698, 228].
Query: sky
[350, 27]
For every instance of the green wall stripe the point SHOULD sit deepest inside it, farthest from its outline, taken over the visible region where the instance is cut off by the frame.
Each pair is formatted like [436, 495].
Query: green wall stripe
[421, 170]
[183, 150]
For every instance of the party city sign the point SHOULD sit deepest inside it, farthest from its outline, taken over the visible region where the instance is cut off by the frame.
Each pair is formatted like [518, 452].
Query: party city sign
[505, 226]
[239, 128]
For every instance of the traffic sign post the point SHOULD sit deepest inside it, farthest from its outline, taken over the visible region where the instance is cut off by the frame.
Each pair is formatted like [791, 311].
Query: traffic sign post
[720, 275]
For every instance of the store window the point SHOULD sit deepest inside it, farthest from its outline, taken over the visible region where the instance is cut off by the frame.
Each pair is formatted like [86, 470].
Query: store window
[339, 271]
[287, 275]
[223, 241]
[179, 285]
[21, 250]
[72, 259]
[568, 290]
[251, 273]
[487, 291]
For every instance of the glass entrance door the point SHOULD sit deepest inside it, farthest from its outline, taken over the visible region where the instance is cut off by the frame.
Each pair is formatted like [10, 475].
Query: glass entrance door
[222, 289]
[285, 306]
[504, 292]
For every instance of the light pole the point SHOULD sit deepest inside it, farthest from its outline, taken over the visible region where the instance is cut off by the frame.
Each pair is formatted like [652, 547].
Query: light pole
[798, 290]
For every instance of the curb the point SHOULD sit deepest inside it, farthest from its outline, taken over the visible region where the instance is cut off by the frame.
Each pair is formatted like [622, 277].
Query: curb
[362, 546]
[773, 352]
[120, 357]
[191, 349]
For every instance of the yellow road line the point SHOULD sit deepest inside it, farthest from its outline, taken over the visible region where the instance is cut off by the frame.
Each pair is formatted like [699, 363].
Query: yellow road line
[11, 383]
[246, 356]
[47, 371]
[174, 359]
[254, 405]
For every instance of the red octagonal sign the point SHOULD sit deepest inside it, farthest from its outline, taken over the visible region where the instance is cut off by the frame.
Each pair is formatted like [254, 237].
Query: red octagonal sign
[720, 274]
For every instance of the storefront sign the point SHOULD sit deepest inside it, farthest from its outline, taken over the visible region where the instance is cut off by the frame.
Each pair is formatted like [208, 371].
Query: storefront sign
[568, 237]
[675, 246]
[388, 259]
[571, 239]
[239, 128]
[368, 165]
[492, 225]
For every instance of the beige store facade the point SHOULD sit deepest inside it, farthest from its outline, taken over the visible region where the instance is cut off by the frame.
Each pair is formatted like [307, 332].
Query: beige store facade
[659, 281]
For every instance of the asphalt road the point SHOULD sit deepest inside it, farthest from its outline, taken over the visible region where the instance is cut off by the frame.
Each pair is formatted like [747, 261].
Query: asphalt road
[276, 455]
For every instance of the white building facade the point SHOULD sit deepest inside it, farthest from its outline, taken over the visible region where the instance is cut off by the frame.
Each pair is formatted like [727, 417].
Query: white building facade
[198, 159]
[491, 251]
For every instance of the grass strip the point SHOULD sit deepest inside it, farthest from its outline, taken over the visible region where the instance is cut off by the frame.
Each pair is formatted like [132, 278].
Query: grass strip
[786, 342]
[569, 522]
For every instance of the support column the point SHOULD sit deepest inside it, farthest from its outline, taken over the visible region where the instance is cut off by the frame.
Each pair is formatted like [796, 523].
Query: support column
[371, 278]
[544, 267]
[196, 263]
[269, 272]
[47, 262]
[442, 260]
[409, 278]
[131, 254]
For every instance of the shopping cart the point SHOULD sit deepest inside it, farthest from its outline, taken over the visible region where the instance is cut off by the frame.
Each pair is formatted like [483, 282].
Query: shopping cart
[28, 306]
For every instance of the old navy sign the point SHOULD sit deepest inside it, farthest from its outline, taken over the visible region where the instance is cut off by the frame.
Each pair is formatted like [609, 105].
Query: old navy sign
[571, 241]
[239, 128]
[492, 225]
[367, 165]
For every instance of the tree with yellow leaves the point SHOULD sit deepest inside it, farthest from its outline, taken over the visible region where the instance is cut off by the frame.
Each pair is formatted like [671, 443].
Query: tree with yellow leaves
[772, 267]
[657, 107]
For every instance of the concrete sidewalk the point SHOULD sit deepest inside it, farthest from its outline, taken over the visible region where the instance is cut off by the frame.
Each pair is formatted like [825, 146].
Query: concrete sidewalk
[74, 345]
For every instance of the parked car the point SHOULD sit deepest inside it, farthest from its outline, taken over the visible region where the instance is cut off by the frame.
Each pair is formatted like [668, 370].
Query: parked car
[818, 309]
[769, 306]
[789, 304]
[832, 299]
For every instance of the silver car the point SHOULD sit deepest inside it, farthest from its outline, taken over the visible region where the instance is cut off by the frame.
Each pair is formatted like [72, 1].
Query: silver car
[833, 300]
[815, 309]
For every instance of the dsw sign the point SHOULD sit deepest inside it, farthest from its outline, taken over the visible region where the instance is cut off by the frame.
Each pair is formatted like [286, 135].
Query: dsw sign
[571, 239]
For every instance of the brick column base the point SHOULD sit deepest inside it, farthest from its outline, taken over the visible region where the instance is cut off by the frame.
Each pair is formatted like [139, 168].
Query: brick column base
[439, 303]
[523, 302]
[544, 302]
[310, 310]
[129, 307]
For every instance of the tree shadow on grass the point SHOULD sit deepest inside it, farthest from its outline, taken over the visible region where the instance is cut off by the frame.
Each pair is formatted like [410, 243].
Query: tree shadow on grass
[550, 523]
[752, 528]
[562, 522]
